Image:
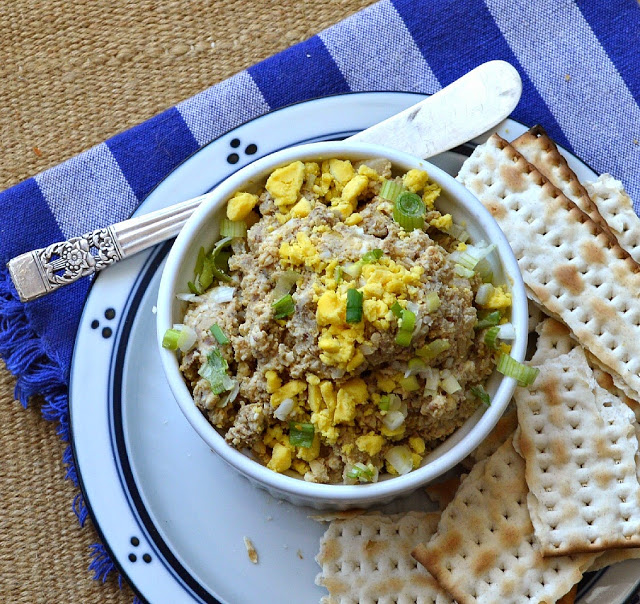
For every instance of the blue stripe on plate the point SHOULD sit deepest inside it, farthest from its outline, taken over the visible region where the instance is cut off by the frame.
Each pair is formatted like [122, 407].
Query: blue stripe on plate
[28, 222]
[397, 64]
[616, 23]
[298, 73]
[148, 152]
[457, 36]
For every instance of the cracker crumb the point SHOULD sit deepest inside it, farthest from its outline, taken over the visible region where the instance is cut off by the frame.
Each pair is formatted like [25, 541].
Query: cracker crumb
[567, 78]
[251, 550]
[37, 151]
[299, 552]
[636, 141]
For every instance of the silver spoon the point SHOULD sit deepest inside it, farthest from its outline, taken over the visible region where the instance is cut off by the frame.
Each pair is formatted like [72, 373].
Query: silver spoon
[456, 114]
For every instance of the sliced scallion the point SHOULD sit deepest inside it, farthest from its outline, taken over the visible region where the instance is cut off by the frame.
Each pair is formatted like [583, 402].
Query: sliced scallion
[416, 365]
[371, 256]
[170, 339]
[489, 320]
[409, 211]
[482, 394]
[384, 403]
[218, 334]
[229, 228]
[450, 384]
[523, 374]
[462, 271]
[491, 336]
[218, 274]
[396, 309]
[410, 383]
[285, 283]
[215, 372]
[300, 434]
[337, 275]
[432, 301]
[433, 349]
[391, 190]
[199, 262]
[284, 307]
[405, 328]
[354, 305]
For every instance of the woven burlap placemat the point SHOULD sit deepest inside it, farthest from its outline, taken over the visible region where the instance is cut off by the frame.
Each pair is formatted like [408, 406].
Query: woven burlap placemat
[73, 73]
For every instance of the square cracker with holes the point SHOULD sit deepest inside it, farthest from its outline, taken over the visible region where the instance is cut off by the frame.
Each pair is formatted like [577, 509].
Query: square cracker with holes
[366, 560]
[485, 551]
[567, 261]
[579, 445]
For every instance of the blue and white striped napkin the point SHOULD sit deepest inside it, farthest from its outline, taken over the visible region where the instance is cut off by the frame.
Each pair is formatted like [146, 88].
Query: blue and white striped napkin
[580, 65]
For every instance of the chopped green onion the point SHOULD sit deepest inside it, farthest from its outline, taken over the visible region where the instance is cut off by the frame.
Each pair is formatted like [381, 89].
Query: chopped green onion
[354, 305]
[215, 372]
[214, 255]
[301, 435]
[199, 262]
[450, 384]
[371, 256]
[410, 383]
[461, 271]
[390, 190]
[491, 336]
[432, 301]
[489, 320]
[192, 288]
[170, 339]
[205, 278]
[523, 374]
[384, 403]
[484, 293]
[353, 270]
[433, 349]
[482, 394]
[416, 364]
[229, 228]
[361, 472]
[218, 334]
[405, 328]
[222, 261]
[337, 275]
[284, 307]
[284, 283]
[400, 459]
[396, 309]
[488, 278]
[409, 211]
[458, 232]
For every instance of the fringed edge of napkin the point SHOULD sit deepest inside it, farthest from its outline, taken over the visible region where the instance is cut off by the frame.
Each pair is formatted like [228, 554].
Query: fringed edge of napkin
[37, 375]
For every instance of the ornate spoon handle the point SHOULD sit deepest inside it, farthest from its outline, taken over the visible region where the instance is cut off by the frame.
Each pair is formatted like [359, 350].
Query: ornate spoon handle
[459, 112]
[41, 271]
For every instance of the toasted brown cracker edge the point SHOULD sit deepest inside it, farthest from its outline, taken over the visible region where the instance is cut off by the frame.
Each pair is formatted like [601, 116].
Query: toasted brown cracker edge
[540, 150]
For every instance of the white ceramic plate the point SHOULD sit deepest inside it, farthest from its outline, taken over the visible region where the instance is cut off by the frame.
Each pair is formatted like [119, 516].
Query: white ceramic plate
[171, 513]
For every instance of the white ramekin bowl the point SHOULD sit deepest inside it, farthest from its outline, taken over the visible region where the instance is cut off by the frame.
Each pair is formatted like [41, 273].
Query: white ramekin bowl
[202, 230]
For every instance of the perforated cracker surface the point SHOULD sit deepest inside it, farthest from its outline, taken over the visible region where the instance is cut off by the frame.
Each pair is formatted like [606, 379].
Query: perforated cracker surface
[538, 149]
[566, 260]
[579, 445]
[485, 551]
[616, 207]
[366, 560]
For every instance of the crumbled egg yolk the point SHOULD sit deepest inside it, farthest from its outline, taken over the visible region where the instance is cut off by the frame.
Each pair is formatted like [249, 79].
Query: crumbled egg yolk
[240, 205]
[498, 299]
[284, 183]
[442, 223]
[415, 180]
